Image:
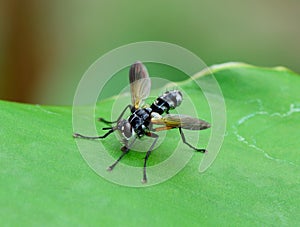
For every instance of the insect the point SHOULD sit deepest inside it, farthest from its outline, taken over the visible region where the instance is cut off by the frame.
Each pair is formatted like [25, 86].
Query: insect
[147, 121]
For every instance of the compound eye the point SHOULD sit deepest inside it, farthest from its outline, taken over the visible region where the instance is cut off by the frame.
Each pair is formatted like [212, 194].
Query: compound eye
[127, 130]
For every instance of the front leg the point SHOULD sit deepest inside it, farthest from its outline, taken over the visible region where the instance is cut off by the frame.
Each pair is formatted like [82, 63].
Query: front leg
[119, 118]
[125, 149]
[155, 136]
[77, 135]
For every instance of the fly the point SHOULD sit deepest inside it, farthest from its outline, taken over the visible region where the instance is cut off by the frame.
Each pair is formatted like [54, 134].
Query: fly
[142, 120]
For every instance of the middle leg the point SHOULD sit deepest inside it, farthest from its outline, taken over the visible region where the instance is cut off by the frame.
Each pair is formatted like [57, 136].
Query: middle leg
[121, 115]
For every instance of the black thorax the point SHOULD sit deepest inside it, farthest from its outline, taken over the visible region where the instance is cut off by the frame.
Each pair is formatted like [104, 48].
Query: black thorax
[140, 120]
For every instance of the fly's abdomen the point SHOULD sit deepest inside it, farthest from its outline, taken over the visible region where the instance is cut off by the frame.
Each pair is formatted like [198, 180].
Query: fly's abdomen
[165, 102]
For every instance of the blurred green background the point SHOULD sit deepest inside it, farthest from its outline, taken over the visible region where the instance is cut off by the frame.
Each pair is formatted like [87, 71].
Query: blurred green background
[46, 46]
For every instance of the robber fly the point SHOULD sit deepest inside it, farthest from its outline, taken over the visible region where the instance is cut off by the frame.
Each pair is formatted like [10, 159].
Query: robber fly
[142, 120]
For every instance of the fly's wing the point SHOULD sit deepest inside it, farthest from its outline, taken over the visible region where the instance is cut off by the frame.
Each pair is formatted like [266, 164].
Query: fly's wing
[140, 84]
[181, 121]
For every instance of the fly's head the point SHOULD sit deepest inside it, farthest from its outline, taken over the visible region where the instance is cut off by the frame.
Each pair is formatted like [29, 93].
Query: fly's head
[125, 129]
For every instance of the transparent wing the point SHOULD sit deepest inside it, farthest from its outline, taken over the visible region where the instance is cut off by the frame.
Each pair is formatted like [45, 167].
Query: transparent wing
[140, 84]
[181, 121]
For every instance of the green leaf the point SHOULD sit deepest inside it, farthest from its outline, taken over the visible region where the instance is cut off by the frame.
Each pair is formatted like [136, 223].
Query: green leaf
[254, 180]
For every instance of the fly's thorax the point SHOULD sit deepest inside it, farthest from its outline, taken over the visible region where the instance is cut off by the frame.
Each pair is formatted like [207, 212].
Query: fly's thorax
[141, 117]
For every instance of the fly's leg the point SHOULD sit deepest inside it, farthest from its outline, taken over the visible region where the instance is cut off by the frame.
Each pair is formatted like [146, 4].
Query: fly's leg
[184, 141]
[125, 149]
[155, 136]
[77, 135]
[119, 118]
[111, 129]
